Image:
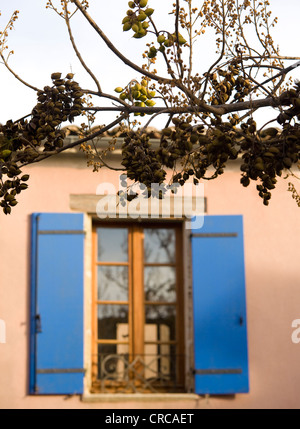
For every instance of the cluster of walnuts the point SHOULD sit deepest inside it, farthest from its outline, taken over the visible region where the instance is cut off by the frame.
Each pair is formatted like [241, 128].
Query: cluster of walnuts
[141, 161]
[229, 83]
[59, 103]
[22, 142]
[266, 158]
[193, 152]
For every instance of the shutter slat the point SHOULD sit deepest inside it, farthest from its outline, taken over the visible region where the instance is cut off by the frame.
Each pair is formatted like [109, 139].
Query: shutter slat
[220, 334]
[57, 307]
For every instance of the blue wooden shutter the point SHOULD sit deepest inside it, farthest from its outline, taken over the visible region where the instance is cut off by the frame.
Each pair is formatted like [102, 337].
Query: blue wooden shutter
[220, 333]
[56, 364]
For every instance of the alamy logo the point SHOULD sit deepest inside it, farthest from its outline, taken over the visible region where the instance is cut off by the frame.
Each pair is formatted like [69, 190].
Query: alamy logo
[177, 202]
[2, 331]
[296, 332]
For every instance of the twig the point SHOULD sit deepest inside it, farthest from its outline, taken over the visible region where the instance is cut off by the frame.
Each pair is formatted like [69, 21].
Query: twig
[154, 116]
[221, 54]
[16, 76]
[283, 72]
[67, 20]
[177, 39]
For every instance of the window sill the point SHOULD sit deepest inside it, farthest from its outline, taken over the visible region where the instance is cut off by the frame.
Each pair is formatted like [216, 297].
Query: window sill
[139, 397]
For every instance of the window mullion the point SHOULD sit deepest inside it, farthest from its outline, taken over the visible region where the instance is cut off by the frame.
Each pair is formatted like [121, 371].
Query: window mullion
[94, 309]
[130, 290]
[180, 300]
[138, 290]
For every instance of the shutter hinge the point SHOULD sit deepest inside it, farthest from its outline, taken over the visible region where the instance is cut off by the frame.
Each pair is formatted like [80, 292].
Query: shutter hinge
[217, 371]
[214, 234]
[61, 370]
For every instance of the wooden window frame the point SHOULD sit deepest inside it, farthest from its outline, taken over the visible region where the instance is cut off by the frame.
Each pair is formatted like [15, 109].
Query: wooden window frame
[136, 303]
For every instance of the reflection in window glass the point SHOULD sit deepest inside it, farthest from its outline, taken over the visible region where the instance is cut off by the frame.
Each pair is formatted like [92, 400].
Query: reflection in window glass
[112, 244]
[111, 321]
[112, 361]
[112, 283]
[162, 318]
[159, 245]
[160, 363]
[160, 284]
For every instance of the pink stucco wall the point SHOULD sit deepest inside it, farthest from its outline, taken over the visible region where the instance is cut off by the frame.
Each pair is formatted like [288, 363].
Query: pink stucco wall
[272, 278]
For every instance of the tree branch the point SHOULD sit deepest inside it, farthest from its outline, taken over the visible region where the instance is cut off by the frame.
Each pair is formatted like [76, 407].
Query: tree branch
[144, 72]
[16, 76]
[67, 20]
[221, 109]
[283, 72]
[114, 49]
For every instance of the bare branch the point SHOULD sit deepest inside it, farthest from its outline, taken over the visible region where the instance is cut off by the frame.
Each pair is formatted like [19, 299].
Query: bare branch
[16, 76]
[108, 96]
[222, 109]
[283, 72]
[67, 20]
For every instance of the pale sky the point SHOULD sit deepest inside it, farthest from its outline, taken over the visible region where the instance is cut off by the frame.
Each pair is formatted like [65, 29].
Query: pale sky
[41, 46]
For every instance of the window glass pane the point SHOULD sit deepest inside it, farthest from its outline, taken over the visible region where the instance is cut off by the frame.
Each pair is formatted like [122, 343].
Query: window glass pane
[113, 322]
[159, 245]
[112, 244]
[112, 283]
[160, 323]
[160, 284]
[112, 361]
